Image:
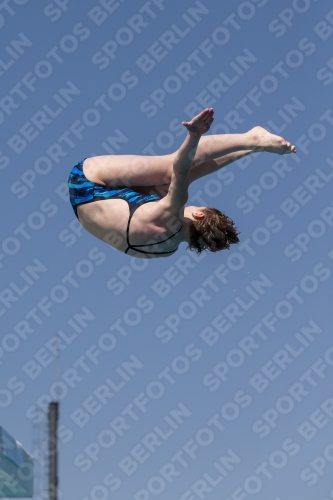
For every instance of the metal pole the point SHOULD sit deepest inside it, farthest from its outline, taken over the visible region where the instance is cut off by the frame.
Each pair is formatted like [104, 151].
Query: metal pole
[53, 450]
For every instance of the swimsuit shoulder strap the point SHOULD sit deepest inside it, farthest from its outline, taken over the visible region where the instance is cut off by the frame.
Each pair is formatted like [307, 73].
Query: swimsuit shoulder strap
[135, 247]
[151, 244]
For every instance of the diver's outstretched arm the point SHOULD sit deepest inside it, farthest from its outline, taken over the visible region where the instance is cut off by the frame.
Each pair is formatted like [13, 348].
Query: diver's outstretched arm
[177, 194]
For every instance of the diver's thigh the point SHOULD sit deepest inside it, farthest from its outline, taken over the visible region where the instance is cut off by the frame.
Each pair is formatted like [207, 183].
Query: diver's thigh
[129, 170]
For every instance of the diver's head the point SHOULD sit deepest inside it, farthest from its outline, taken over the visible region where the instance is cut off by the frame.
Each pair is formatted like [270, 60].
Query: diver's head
[209, 229]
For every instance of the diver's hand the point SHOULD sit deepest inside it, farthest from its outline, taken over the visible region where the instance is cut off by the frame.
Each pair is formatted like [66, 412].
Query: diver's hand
[201, 123]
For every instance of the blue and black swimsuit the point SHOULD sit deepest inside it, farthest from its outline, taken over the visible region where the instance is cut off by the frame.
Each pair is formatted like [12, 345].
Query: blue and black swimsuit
[81, 191]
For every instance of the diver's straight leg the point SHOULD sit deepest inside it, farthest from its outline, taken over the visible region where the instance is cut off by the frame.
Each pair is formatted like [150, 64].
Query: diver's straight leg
[137, 170]
[256, 139]
[210, 166]
[211, 147]
[196, 172]
[129, 170]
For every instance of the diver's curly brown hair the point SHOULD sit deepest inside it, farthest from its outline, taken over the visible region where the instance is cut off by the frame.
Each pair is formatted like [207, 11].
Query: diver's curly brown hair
[214, 232]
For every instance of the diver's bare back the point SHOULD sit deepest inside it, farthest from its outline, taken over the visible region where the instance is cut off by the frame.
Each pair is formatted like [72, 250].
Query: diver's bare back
[108, 222]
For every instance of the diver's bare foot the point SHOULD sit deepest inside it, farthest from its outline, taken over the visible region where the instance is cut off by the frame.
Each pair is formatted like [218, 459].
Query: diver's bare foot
[265, 141]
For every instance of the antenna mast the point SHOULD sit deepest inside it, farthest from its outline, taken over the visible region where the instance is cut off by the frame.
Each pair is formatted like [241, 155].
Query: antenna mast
[53, 450]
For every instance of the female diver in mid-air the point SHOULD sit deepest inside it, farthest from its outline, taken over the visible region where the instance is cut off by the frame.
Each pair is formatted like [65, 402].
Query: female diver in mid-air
[143, 212]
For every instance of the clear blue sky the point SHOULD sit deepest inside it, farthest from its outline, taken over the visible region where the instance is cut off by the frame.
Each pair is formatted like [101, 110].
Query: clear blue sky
[186, 378]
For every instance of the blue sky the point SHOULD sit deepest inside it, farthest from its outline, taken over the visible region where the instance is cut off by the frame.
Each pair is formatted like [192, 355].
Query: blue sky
[133, 359]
